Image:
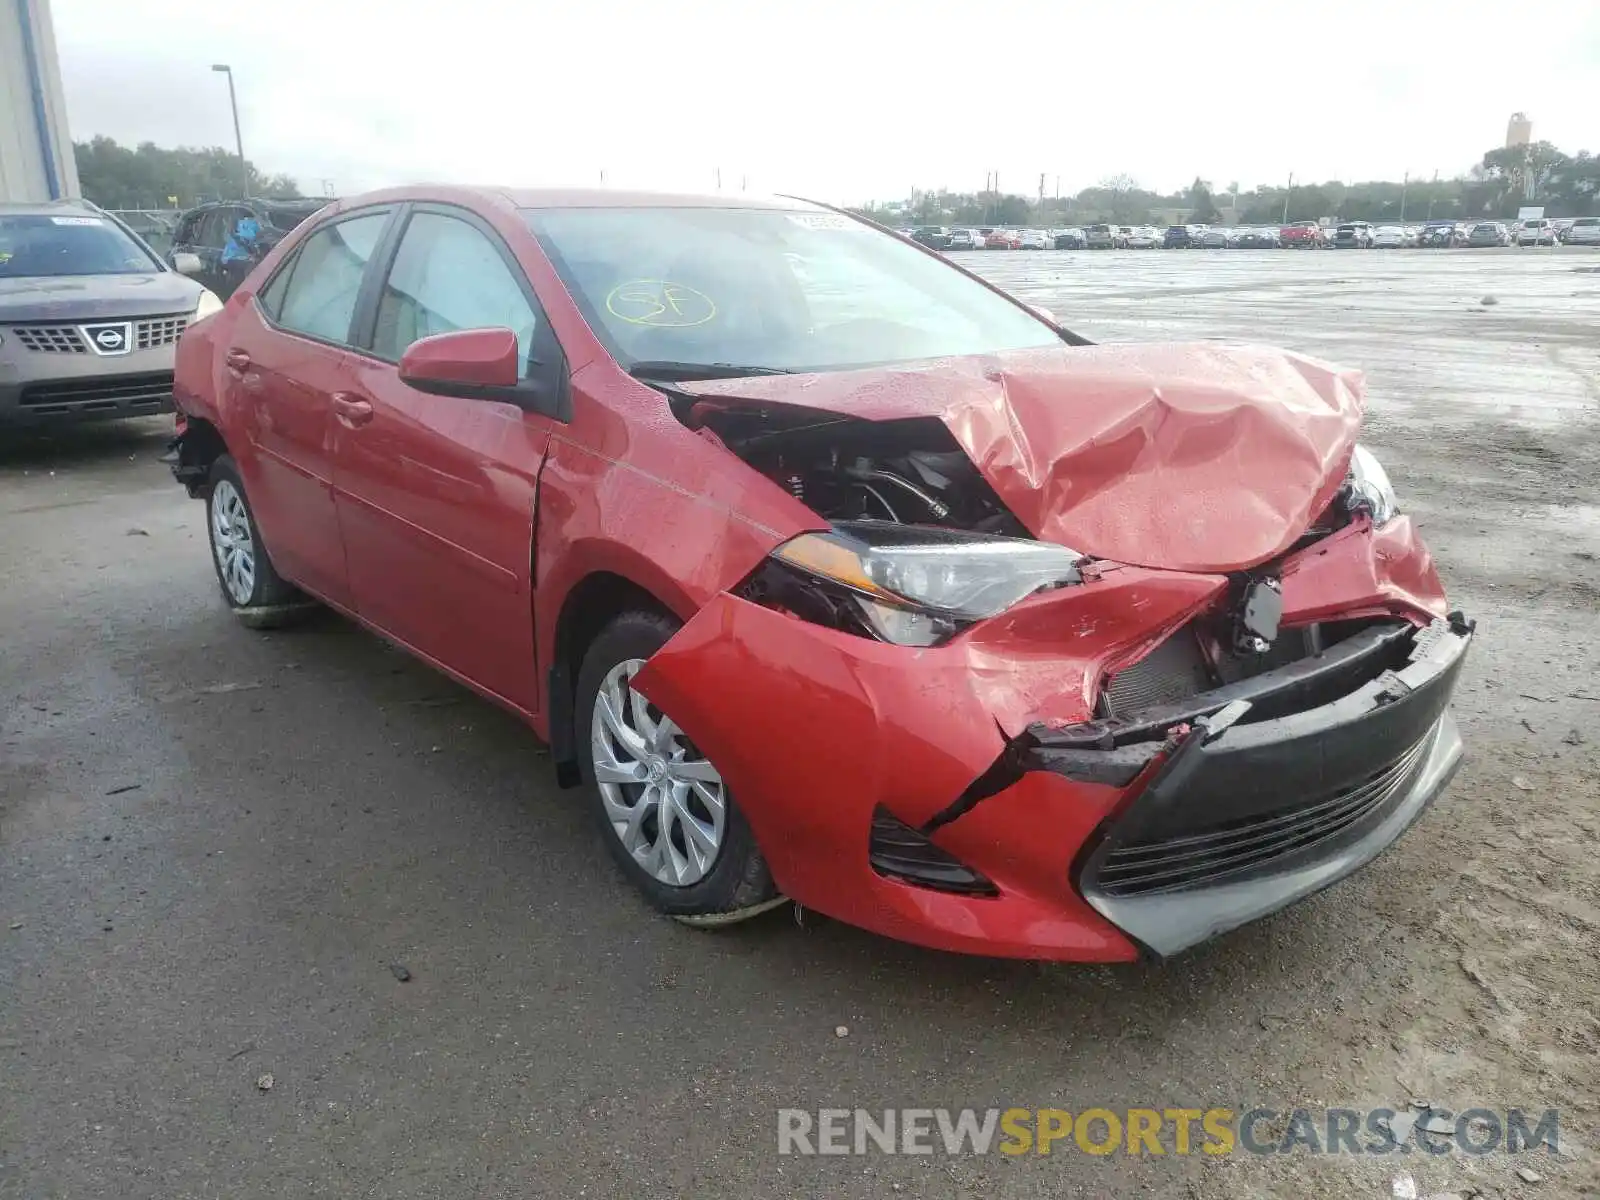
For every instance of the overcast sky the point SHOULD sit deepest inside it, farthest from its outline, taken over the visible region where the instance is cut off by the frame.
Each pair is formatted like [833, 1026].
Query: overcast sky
[843, 100]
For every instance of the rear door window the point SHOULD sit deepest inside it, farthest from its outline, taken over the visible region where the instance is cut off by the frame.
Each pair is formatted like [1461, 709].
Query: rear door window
[319, 298]
[200, 229]
[214, 228]
[271, 296]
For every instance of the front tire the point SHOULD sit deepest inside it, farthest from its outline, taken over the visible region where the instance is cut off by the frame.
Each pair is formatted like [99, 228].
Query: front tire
[664, 813]
[258, 595]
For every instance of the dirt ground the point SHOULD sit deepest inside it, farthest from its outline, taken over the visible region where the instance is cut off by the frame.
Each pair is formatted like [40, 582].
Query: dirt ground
[214, 846]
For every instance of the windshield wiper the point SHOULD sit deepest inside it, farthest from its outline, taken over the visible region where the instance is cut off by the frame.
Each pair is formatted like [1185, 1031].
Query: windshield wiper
[669, 370]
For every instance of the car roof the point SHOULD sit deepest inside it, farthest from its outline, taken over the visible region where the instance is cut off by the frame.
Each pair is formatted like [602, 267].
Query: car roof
[309, 203]
[615, 198]
[547, 198]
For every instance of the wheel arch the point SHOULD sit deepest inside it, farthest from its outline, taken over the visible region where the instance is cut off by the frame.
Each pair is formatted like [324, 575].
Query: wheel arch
[198, 446]
[591, 604]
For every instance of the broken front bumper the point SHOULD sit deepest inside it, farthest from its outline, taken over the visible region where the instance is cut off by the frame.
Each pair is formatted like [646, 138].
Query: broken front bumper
[1072, 834]
[1241, 819]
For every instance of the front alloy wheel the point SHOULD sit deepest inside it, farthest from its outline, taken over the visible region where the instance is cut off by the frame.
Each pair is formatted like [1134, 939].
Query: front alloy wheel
[664, 800]
[668, 819]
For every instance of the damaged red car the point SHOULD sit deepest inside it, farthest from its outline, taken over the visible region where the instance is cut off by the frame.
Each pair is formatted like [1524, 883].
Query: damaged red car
[833, 574]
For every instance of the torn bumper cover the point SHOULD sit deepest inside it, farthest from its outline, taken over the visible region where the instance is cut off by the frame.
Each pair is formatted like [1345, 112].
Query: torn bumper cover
[1241, 819]
[907, 792]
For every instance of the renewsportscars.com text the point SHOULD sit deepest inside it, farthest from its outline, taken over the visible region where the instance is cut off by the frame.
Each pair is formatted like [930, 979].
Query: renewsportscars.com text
[1177, 1131]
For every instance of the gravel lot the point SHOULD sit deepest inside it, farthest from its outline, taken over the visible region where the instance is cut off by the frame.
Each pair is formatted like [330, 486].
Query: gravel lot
[215, 844]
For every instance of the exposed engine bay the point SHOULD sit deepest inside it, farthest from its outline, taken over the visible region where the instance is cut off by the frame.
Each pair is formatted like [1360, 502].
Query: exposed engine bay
[910, 472]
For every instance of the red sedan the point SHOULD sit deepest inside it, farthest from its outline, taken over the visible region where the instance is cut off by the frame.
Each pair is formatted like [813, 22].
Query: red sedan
[832, 573]
[1303, 234]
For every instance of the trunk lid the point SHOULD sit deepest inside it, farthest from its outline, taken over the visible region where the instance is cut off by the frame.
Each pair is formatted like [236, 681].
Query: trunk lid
[1195, 457]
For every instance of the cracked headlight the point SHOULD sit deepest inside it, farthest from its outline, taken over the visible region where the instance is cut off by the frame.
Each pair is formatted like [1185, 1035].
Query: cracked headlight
[209, 303]
[1369, 488]
[917, 586]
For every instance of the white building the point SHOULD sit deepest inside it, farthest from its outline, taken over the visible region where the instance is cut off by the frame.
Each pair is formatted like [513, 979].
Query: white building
[36, 160]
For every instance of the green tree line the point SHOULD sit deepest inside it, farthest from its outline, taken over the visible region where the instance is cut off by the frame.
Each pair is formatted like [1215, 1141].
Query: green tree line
[1506, 179]
[148, 176]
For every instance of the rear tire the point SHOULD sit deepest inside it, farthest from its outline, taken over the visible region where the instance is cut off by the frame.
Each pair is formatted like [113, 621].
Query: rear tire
[252, 587]
[664, 813]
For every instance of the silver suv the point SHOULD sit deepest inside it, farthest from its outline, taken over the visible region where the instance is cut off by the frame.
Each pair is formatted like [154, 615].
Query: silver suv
[1585, 231]
[89, 317]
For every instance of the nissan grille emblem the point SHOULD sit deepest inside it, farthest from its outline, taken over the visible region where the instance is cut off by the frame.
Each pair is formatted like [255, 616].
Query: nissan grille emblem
[110, 339]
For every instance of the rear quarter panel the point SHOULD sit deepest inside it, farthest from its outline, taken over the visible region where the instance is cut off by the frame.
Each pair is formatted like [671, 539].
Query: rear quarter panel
[194, 389]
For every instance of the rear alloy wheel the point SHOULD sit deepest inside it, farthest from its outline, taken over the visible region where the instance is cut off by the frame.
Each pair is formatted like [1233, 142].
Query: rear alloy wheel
[667, 817]
[258, 595]
[233, 543]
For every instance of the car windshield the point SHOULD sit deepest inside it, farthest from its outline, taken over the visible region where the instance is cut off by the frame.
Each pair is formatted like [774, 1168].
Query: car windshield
[39, 244]
[773, 289]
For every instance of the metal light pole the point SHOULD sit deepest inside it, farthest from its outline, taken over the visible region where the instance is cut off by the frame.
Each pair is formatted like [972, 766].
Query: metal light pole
[238, 140]
[1287, 192]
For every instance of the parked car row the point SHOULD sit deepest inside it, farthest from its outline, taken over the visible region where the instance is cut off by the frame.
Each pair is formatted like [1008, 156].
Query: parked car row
[1087, 237]
[1348, 235]
[1542, 231]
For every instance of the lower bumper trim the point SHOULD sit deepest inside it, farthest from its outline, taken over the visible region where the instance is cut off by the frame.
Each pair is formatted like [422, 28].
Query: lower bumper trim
[1239, 822]
[1167, 923]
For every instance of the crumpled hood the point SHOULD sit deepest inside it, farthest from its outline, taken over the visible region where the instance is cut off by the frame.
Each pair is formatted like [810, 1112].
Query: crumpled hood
[1199, 457]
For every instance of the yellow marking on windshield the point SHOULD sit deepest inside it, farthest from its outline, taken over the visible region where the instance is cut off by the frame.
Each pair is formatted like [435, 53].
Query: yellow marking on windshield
[660, 303]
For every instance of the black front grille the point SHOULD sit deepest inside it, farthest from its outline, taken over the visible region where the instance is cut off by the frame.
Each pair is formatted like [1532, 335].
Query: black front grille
[159, 331]
[49, 339]
[135, 393]
[148, 333]
[1253, 843]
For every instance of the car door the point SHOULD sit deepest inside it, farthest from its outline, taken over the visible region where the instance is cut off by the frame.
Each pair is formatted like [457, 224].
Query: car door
[222, 280]
[287, 356]
[209, 237]
[435, 494]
